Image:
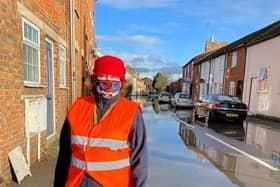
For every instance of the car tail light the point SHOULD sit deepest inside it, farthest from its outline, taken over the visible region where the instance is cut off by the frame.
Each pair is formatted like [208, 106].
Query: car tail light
[217, 105]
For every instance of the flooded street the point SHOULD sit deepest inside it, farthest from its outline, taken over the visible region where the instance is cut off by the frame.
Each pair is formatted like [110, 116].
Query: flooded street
[186, 154]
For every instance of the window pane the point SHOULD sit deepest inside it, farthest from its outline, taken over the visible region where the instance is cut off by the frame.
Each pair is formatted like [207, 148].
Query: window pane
[25, 72]
[36, 74]
[35, 38]
[30, 33]
[29, 72]
[25, 30]
[35, 57]
[24, 54]
[29, 55]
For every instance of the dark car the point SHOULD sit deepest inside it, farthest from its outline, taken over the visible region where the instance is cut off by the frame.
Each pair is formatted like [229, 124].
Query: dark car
[220, 107]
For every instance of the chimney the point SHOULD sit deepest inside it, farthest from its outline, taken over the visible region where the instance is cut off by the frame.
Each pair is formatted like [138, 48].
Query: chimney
[211, 44]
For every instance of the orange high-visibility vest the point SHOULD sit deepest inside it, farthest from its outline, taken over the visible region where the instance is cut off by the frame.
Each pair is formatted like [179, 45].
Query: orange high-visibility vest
[100, 149]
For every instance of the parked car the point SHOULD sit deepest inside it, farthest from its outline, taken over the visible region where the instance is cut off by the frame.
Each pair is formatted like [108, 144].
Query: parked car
[181, 99]
[164, 97]
[220, 107]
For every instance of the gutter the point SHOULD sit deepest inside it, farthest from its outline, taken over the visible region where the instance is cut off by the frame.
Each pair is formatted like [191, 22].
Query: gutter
[72, 49]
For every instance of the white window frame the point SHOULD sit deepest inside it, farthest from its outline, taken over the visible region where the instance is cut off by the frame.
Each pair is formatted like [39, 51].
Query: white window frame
[62, 66]
[231, 88]
[29, 43]
[234, 59]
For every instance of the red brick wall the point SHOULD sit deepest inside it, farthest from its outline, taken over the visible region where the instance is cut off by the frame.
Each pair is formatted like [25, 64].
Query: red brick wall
[11, 85]
[85, 37]
[55, 14]
[237, 73]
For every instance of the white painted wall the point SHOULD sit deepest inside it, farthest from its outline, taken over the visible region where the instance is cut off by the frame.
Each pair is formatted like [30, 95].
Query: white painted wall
[216, 79]
[204, 74]
[265, 54]
[205, 71]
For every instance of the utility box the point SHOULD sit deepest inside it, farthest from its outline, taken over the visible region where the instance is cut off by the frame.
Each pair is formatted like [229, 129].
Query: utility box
[35, 115]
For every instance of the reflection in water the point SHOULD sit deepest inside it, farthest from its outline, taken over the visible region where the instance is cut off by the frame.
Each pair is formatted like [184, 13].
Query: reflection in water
[184, 114]
[156, 107]
[233, 130]
[167, 152]
[239, 169]
[161, 107]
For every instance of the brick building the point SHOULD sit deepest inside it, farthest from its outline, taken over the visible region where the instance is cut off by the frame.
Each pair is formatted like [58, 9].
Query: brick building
[234, 72]
[45, 52]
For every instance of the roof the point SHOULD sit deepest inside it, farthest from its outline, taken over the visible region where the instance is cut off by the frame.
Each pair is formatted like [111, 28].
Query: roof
[261, 35]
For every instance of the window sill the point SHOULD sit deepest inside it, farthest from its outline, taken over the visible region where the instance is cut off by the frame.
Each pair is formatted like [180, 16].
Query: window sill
[63, 88]
[34, 86]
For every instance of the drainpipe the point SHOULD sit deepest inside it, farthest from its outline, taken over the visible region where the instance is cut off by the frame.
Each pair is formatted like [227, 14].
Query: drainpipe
[72, 48]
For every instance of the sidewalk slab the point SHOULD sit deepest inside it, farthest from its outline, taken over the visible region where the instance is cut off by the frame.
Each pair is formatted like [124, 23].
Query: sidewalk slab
[43, 171]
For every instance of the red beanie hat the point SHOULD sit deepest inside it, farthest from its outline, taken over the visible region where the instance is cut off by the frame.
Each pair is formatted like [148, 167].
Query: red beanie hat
[109, 65]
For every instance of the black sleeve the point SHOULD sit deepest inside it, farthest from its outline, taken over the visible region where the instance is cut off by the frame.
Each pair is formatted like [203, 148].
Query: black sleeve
[139, 156]
[64, 156]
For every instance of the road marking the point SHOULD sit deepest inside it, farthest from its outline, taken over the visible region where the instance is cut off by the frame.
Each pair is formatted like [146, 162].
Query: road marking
[244, 153]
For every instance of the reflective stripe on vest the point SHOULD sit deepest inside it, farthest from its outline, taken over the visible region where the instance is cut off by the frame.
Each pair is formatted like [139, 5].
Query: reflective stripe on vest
[100, 166]
[100, 142]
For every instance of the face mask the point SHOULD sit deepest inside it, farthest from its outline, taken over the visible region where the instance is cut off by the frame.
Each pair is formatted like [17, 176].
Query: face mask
[108, 88]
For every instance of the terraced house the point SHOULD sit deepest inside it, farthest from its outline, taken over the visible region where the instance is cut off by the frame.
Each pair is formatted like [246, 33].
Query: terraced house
[246, 68]
[47, 48]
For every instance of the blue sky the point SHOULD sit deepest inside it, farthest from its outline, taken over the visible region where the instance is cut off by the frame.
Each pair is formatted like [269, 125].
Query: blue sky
[162, 35]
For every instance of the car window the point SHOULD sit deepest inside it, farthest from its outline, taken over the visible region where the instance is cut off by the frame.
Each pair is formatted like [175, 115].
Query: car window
[165, 94]
[183, 96]
[223, 98]
[204, 98]
[210, 99]
[236, 99]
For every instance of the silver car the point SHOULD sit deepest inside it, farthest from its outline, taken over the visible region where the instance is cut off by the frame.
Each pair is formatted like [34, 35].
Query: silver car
[181, 99]
[164, 97]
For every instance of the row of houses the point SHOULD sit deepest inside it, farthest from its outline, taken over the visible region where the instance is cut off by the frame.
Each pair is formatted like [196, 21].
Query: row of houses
[246, 68]
[47, 50]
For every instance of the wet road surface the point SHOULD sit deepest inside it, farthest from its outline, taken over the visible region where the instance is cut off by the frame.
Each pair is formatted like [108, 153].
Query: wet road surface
[184, 154]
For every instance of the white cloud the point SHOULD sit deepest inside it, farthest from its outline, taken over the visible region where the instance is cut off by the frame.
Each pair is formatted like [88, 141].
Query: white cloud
[132, 4]
[132, 39]
[148, 65]
[161, 28]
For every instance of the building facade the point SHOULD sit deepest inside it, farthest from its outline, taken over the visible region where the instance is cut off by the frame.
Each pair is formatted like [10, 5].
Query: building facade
[246, 68]
[216, 75]
[261, 83]
[187, 78]
[234, 72]
[42, 54]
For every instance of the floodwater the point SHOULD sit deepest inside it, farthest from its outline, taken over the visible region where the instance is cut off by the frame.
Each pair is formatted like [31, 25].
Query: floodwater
[184, 154]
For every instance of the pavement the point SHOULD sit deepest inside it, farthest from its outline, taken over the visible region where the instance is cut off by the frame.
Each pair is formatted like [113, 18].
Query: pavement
[264, 122]
[43, 171]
